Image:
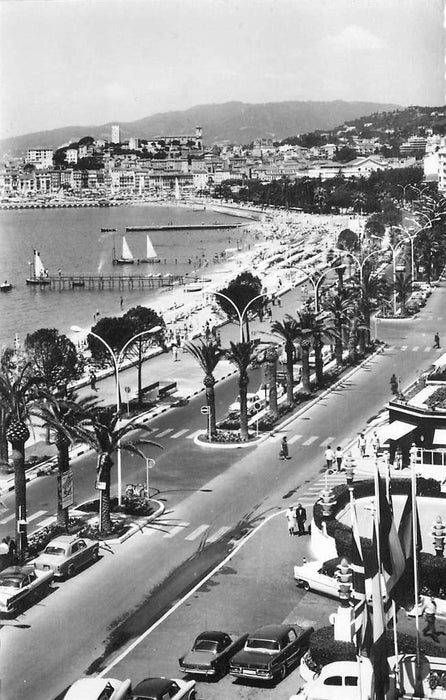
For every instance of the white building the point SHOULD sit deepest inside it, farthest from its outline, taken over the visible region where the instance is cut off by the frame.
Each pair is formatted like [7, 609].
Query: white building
[40, 157]
[115, 134]
[71, 155]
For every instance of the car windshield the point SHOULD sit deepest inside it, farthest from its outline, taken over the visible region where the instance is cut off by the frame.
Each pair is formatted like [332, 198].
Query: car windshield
[58, 551]
[262, 645]
[205, 645]
[10, 582]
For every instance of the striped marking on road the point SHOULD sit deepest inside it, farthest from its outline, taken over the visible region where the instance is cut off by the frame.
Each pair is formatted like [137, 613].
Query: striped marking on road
[328, 441]
[196, 533]
[175, 530]
[179, 433]
[165, 432]
[192, 436]
[310, 440]
[403, 348]
[416, 348]
[293, 439]
[7, 519]
[37, 514]
[427, 348]
[217, 535]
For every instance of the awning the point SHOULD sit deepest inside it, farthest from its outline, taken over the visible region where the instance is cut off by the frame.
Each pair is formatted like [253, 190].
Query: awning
[439, 437]
[396, 430]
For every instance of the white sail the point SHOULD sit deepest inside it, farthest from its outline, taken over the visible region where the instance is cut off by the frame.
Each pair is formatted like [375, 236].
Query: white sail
[39, 270]
[126, 252]
[151, 252]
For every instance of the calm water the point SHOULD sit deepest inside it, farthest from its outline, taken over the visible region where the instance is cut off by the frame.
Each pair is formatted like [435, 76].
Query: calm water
[71, 240]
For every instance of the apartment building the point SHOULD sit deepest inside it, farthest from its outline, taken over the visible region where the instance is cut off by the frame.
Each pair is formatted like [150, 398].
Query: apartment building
[40, 157]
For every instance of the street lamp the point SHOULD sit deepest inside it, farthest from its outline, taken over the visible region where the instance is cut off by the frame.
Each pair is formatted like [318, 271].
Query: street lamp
[242, 314]
[360, 263]
[116, 364]
[315, 282]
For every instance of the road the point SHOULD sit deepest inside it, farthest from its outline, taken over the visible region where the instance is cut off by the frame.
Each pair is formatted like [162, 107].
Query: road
[75, 629]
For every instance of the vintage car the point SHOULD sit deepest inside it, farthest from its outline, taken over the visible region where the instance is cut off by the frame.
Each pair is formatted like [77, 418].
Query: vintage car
[269, 652]
[162, 688]
[210, 654]
[318, 576]
[338, 680]
[65, 554]
[254, 402]
[99, 689]
[20, 582]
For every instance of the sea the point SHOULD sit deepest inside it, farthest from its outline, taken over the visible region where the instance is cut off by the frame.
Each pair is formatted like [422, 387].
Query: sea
[71, 241]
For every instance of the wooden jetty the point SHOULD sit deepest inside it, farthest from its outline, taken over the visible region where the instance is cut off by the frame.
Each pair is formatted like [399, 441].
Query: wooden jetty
[62, 282]
[183, 227]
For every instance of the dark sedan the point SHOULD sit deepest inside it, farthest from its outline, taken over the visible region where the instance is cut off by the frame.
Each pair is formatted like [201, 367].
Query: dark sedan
[163, 688]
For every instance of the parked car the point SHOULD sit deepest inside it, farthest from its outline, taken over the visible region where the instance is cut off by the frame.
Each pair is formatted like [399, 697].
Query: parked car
[424, 287]
[210, 654]
[17, 583]
[99, 689]
[326, 356]
[66, 554]
[269, 652]
[164, 688]
[318, 576]
[338, 680]
[255, 402]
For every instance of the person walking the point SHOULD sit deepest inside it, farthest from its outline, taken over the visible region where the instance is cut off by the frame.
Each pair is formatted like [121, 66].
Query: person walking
[362, 445]
[430, 611]
[291, 520]
[375, 443]
[437, 340]
[121, 302]
[339, 457]
[175, 353]
[329, 458]
[301, 517]
[93, 381]
[284, 449]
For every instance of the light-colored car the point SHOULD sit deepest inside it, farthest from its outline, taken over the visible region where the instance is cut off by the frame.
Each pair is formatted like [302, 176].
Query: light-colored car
[66, 554]
[338, 681]
[99, 689]
[326, 356]
[255, 401]
[210, 654]
[17, 583]
[318, 576]
[164, 689]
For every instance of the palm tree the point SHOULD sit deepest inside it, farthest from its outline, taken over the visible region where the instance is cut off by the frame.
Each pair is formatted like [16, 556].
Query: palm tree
[368, 295]
[340, 305]
[402, 286]
[313, 327]
[100, 429]
[241, 354]
[17, 393]
[304, 339]
[62, 416]
[288, 330]
[269, 357]
[208, 354]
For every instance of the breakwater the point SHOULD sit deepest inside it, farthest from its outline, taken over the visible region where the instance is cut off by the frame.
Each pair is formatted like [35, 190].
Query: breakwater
[183, 227]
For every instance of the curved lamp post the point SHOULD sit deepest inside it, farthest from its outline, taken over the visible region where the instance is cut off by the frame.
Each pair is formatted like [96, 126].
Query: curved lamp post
[360, 263]
[242, 314]
[315, 282]
[117, 359]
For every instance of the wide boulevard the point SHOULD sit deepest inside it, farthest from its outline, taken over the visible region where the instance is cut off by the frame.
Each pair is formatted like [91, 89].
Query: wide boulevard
[212, 497]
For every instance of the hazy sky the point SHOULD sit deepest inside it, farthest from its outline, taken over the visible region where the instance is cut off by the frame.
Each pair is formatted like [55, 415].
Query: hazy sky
[81, 62]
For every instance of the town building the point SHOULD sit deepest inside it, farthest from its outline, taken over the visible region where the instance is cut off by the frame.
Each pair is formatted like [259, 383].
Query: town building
[40, 157]
[115, 134]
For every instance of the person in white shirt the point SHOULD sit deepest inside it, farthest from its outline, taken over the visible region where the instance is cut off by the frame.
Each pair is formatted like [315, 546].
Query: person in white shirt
[329, 458]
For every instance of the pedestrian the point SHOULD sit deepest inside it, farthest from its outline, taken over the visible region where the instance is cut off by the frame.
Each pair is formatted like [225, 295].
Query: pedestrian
[436, 340]
[329, 458]
[375, 443]
[175, 353]
[121, 302]
[362, 445]
[12, 547]
[398, 462]
[4, 554]
[291, 520]
[284, 449]
[93, 381]
[430, 610]
[301, 517]
[339, 457]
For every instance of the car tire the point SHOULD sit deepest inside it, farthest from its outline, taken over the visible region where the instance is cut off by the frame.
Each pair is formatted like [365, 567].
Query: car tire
[306, 586]
[193, 695]
[70, 571]
[281, 673]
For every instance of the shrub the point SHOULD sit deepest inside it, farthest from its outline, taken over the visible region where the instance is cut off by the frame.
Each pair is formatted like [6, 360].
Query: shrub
[432, 574]
[438, 398]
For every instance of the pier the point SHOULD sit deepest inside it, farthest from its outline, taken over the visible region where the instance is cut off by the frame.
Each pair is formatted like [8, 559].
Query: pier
[183, 227]
[112, 281]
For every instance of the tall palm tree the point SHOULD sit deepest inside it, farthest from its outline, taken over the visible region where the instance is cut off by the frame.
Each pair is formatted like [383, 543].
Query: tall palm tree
[18, 388]
[62, 416]
[304, 339]
[100, 429]
[402, 286]
[288, 330]
[241, 354]
[368, 295]
[208, 354]
[340, 305]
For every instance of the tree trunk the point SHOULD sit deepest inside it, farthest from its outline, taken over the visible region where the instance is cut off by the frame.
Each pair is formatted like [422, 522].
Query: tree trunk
[18, 460]
[63, 462]
[105, 525]
[289, 375]
[338, 344]
[243, 391]
[3, 440]
[319, 365]
[271, 379]
[209, 383]
[306, 368]
[140, 373]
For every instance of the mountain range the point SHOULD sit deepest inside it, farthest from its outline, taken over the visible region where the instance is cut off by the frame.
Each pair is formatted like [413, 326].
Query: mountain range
[230, 122]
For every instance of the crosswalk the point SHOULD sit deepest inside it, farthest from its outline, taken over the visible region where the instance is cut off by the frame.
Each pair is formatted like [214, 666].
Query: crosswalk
[407, 348]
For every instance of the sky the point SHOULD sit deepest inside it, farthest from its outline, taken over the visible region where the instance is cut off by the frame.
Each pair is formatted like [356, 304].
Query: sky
[87, 62]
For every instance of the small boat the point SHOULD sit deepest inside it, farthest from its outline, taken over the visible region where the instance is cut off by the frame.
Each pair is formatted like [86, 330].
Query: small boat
[38, 274]
[193, 287]
[6, 286]
[151, 256]
[106, 230]
[127, 256]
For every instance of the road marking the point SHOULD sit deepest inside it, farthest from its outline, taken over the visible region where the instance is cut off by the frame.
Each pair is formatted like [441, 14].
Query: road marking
[192, 436]
[217, 535]
[7, 519]
[175, 530]
[403, 348]
[328, 441]
[196, 533]
[180, 432]
[427, 348]
[417, 347]
[310, 440]
[295, 438]
[37, 514]
[48, 521]
[165, 432]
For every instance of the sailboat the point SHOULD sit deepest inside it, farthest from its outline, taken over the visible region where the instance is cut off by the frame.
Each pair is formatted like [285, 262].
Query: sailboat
[151, 256]
[126, 258]
[38, 274]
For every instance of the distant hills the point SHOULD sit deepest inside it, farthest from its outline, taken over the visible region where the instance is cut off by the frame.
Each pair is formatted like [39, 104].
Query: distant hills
[230, 122]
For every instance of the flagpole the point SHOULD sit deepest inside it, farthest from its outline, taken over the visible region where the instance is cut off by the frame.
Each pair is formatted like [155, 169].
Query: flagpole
[415, 565]
[358, 656]
[395, 635]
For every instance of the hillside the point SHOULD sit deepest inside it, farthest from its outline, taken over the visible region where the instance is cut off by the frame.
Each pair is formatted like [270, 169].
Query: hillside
[235, 122]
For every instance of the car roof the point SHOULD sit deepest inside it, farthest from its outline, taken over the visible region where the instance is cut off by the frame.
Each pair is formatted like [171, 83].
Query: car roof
[86, 687]
[18, 571]
[213, 635]
[151, 687]
[275, 631]
[65, 539]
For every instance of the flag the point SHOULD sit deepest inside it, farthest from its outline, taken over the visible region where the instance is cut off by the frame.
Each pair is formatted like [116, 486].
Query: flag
[358, 586]
[405, 530]
[390, 550]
